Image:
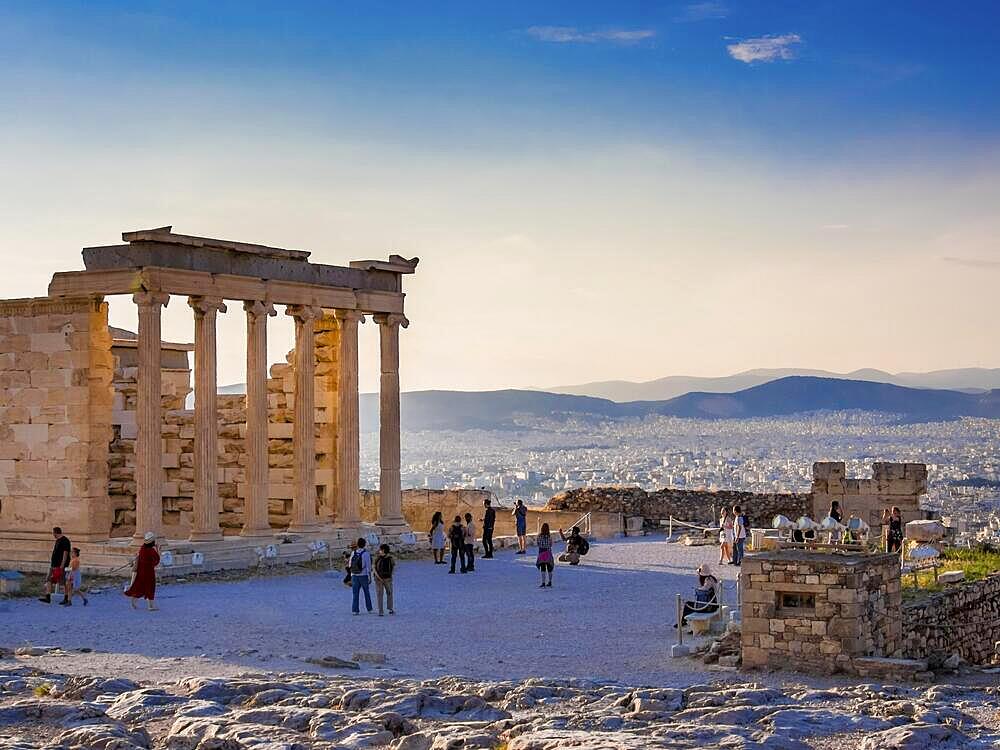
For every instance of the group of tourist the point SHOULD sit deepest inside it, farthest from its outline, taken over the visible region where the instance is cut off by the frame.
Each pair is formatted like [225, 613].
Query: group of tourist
[361, 569]
[64, 571]
[733, 531]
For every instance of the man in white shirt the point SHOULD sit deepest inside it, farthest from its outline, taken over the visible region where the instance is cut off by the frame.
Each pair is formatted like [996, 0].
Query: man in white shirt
[740, 535]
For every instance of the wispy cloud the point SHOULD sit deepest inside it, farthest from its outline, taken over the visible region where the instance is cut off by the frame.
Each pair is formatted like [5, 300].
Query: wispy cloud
[573, 35]
[765, 48]
[993, 265]
[835, 227]
[707, 11]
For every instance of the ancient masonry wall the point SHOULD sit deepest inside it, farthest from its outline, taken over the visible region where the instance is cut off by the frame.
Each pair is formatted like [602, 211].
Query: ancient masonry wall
[964, 620]
[844, 610]
[687, 505]
[891, 484]
[55, 398]
[178, 444]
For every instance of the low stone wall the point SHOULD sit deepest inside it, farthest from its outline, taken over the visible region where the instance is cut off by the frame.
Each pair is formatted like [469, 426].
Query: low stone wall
[689, 505]
[964, 620]
[420, 505]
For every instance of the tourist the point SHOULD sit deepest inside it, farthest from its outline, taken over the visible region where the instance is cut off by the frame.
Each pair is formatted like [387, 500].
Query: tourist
[726, 537]
[361, 571]
[144, 579]
[576, 545]
[705, 595]
[384, 567]
[470, 543]
[892, 522]
[489, 522]
[57, 568]
[545, 562]
[456, 536]
[520, 514]
[437, 538]
[837, 515]
[74, 579]
[739, 535]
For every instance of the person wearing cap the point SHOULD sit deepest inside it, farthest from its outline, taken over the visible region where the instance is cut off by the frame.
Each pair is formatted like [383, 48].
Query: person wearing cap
[144, 583]
[705, 595]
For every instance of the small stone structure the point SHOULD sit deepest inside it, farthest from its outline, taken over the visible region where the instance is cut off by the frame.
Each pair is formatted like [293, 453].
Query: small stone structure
[891, 484]
[819, 611]
[72, 425]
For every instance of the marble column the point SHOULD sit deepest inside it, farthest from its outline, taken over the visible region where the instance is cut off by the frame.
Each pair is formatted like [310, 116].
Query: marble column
[255, 516]
[205, 515]
[149, 446]
[390, 495]
[348, 431]
[304, 515]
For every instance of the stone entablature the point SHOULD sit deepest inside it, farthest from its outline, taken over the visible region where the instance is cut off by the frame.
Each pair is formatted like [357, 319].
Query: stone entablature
[69, 404]
[818, 611]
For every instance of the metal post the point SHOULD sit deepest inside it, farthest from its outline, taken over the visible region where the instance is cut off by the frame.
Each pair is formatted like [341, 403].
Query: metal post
[670, 532]
[679, 649]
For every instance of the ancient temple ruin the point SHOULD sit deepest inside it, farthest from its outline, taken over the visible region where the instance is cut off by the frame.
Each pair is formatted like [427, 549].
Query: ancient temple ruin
[91, 418]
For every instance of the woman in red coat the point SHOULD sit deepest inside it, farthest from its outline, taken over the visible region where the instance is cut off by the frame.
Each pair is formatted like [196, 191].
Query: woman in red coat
[144, 584]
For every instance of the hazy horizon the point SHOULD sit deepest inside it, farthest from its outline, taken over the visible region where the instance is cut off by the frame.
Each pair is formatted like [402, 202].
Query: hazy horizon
[595, 192]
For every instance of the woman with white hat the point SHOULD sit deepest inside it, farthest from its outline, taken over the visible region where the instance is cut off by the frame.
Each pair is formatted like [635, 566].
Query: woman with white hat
[144, 583]
[705, 595]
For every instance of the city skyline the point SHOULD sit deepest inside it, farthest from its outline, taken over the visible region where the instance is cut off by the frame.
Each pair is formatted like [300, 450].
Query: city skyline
[594, 192]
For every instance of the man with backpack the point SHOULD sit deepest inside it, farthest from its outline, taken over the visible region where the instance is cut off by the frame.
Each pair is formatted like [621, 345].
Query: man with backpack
[360, 567]
[384, 567]
[456, 536]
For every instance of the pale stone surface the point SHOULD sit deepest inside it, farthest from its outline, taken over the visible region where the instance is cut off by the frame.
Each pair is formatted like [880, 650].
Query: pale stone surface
[391, 517]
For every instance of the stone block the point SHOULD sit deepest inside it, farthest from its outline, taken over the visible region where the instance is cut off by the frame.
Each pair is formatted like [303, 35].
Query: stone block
[49, 342]
[752, 625]
[843, 596]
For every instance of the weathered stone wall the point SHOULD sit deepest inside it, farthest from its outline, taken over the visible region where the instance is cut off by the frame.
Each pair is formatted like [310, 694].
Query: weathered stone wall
[964, 620]
[891, 484]
[419, 506]
[178, 444]
[55, 412]
[854, 612]
[687, 505]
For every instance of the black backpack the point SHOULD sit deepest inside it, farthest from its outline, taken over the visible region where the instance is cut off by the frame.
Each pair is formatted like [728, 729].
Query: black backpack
[583, 546]
[383, 566]
[357, 563]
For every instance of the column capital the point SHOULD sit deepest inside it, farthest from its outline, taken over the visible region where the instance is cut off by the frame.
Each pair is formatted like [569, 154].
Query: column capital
[205, 305]
[304, 312]
[149, 299]
[348, 316]
[391, 319]
[257, 307]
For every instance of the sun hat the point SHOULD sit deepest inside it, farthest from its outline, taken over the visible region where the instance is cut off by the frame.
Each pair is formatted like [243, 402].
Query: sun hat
[148, 537]
[704, 570]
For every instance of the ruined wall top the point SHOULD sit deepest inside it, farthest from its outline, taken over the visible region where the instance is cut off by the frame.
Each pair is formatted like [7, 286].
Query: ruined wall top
[162, 248]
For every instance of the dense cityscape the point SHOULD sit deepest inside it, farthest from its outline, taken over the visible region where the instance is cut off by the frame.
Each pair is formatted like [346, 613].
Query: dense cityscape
[543, 457]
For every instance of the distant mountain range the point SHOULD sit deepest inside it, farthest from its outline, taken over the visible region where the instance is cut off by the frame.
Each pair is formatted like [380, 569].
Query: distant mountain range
[971, 379]
[463, 410]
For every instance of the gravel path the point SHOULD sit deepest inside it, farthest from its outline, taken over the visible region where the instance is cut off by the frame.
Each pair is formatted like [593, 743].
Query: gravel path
[609, 619]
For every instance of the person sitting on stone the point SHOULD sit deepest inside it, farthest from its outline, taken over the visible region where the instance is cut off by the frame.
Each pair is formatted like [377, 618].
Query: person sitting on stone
[575, 546]
[705, 595]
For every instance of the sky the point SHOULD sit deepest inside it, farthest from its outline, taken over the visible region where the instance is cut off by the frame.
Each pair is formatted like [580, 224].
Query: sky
[595, 190]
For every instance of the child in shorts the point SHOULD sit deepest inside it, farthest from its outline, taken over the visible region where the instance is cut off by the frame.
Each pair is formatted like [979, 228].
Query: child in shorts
[74, 579]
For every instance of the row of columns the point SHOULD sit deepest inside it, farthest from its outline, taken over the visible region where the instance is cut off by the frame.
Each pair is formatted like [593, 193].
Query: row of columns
[205, 517]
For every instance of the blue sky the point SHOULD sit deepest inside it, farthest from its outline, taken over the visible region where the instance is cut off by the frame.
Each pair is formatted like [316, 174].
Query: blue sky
[546, 160]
